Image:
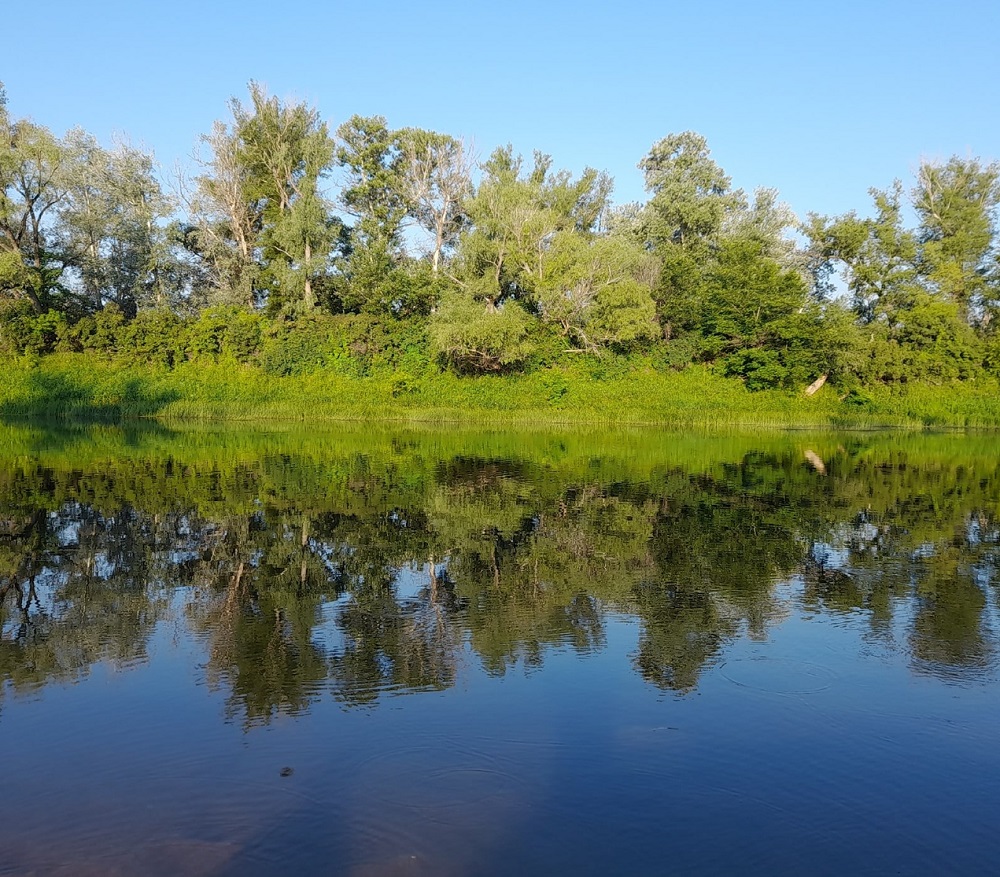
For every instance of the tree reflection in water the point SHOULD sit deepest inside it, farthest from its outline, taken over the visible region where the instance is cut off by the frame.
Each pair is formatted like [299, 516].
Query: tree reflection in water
[374, 566]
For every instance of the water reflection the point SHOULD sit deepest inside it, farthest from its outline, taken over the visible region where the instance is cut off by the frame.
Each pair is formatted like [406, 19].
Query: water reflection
[76, 587]
[375, 565]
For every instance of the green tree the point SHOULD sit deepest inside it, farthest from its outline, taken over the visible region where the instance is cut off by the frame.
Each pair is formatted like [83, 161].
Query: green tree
[286, 150]
[691, 195]
[515, 216]
[110, 226]
[532, 247]
[261, 225]
[371, 157]
[767, 222]
[757, 318]
[82, 226]
[691, 200]
[226, 221]
[597, 291]
[33, 183]
[435, 170]
[877, 256]
[956, 204]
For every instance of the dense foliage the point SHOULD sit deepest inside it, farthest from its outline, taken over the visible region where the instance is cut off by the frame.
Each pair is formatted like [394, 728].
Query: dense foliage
[419, 261]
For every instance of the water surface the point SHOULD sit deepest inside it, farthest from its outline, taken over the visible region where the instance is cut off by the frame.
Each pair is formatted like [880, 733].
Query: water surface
[377, 652]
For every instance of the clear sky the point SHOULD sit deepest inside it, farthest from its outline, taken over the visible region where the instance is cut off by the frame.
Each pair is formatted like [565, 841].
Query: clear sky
[820, 100]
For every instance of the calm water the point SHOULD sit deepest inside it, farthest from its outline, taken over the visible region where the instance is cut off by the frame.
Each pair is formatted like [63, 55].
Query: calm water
[443, 653]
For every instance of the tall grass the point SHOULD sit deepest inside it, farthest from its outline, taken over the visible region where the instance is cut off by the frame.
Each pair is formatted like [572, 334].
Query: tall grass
[87, 388]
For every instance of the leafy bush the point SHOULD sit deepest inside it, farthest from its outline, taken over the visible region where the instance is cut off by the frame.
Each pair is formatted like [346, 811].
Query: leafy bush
[226, 332]
[23, 331]
[296, 345]
[927, 341]
[760, 369]
[154, 336]
[476, 340]
[101, 333]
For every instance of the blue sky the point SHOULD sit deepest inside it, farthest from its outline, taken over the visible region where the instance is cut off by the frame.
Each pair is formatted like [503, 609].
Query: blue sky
[819, 100]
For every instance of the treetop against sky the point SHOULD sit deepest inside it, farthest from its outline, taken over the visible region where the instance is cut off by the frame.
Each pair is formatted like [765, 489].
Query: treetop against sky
[820, 101]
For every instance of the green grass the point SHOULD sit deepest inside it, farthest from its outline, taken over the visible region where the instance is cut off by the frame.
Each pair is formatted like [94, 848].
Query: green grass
[87, 388]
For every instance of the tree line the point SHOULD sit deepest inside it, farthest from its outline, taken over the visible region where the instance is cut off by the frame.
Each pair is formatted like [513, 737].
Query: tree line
[497, 266]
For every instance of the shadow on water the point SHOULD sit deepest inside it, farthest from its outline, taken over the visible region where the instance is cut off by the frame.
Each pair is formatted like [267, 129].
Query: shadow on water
[57, 436]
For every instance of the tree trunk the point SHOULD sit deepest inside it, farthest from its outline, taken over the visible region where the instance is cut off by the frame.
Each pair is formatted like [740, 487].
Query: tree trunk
[815, 386]
[308, 296]
[438, 244]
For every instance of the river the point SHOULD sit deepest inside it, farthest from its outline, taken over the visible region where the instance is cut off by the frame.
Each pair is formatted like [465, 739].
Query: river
[378, 651]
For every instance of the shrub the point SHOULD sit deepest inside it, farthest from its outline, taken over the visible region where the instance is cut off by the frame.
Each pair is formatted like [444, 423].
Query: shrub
[154, 336]
[476, 340]
[24, 331]
[297, 345]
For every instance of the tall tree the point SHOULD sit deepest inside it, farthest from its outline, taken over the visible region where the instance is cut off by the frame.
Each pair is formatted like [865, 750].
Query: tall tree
[877, 255]
[375, 194]
[436, 174]
[286, 150]
[767, 222]
[33, 166]
[597, 291]
[262, 225]
[227, 221]
[956, 204]
[691, 201]
[75, 217]
[515, 216]
[757, 318]
[533, 246]
[110, 226]
[691, 195]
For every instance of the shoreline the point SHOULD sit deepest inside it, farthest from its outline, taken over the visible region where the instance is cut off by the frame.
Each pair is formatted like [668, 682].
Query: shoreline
[87, 389]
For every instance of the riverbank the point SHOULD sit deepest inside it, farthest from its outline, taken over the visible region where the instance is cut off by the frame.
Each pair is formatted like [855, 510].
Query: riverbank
[87, 388]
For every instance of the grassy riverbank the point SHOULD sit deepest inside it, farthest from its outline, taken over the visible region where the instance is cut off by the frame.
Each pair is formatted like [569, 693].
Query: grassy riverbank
[82, 387]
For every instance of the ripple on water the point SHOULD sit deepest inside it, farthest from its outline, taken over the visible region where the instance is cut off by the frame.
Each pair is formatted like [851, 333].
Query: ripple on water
[422, 777]
[778, 675]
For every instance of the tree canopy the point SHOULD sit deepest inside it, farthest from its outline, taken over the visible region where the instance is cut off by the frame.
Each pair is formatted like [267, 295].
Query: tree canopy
[504, 266]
